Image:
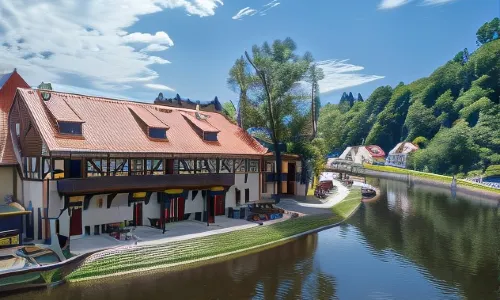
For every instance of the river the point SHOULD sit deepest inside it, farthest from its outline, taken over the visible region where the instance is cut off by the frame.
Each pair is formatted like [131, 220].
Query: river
[413, 243]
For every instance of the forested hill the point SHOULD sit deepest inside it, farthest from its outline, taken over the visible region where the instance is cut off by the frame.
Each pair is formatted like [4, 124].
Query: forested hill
[454, 115]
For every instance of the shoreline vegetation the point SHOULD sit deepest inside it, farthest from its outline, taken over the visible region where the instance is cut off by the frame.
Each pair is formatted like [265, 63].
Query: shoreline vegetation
[433, 177]
[132, 259]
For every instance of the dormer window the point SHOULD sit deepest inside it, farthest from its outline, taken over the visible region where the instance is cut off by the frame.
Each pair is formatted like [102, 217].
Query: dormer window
[210, 136]
[157, 133]
[153, 127]
[202, 127]
[72, 128]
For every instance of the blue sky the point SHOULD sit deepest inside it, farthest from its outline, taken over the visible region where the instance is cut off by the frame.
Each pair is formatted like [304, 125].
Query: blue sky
[135, 49]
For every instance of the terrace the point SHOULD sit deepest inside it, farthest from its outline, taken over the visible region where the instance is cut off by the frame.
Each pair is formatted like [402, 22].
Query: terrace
[174, 232]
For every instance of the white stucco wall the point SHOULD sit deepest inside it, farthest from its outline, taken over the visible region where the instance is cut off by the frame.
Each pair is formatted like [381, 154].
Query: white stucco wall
[191, 206]
[64, 223]
[118, 212]
[152, 210]
[33, 191]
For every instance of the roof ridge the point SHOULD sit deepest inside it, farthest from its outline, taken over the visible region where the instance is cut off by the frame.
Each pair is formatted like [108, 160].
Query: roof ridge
[108, 99]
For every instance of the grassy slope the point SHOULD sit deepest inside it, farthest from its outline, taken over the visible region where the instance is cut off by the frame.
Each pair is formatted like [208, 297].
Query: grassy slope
[430, 176]
[142, 258]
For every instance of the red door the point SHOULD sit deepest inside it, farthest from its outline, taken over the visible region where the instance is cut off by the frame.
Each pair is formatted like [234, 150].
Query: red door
[219, 206]
[75, 222]
[180, 209]
[138, 214]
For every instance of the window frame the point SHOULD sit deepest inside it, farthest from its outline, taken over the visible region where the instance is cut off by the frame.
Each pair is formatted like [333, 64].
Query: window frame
[70, 128]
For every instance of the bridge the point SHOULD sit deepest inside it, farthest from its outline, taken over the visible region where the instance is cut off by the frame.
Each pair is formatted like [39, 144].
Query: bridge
[345, 166]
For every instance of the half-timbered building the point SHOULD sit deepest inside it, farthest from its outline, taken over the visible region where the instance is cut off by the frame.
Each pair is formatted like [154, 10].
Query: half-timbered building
[88, 162]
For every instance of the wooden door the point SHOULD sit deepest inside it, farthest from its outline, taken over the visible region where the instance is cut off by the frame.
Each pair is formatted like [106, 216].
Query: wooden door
[76, 222]
[138, 214]
[180, 208]
[219, 206]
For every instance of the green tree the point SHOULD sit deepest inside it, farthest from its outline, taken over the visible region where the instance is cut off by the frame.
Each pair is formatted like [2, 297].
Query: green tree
[241, 80]
[229, 110]
[421, 121]
[486, 33]
[451, 151]
[279, 69]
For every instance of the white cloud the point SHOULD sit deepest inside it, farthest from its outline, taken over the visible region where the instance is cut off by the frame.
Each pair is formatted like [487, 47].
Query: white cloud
[86, 91]
[340, 75]
[158, 60]
[55, 40]
[161, 37]
[247, 11]
[269, 6]
[160, 87]
[390, 4]
[436, 2]
[154, 48]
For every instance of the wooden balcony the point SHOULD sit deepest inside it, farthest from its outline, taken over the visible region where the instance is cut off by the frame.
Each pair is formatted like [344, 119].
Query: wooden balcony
[147, 183]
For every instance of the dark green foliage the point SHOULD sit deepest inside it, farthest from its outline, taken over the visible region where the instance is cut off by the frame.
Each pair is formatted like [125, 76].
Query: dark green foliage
[451, 151]
[488, 31]
[360, 98]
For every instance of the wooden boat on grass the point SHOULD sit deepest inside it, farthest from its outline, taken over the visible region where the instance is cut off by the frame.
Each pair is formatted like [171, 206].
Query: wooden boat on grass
[31, 266]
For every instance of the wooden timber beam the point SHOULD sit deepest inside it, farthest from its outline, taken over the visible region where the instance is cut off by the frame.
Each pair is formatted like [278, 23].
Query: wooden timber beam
[110, 199]
[91, 161]
[86, 201]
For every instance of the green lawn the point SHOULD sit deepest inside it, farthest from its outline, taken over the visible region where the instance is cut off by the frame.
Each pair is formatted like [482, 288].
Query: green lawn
[431, 176]
[141, 258]
[346, 207]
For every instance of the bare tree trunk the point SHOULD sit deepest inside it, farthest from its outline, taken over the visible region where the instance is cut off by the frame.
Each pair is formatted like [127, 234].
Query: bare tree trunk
[240, 109]
[313, 112]
[277, 150]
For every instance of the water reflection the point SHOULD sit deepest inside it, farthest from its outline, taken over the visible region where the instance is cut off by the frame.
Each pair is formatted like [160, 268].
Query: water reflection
[285, 272]
[456, 242]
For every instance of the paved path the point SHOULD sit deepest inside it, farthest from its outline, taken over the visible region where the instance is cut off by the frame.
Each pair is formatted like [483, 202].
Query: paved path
[311, 208]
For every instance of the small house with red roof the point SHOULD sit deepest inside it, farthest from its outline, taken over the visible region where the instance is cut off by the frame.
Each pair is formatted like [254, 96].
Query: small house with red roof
[398, 156]
[371, 154]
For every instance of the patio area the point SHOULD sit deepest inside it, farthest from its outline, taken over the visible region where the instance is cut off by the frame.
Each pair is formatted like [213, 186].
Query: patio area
[149, 236]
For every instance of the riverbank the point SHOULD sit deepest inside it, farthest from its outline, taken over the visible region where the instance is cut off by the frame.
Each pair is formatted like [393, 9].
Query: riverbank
[131, 259]
[463, 186]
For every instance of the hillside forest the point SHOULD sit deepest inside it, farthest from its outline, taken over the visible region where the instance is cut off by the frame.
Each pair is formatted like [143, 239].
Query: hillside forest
[452, 115]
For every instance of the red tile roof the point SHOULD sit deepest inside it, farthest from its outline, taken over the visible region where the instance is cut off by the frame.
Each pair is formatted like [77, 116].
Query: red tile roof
[61, 111]
[8, 85]
[110, 127]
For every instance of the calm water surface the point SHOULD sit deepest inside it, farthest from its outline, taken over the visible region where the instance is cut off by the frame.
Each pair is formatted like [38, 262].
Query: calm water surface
[418, 243]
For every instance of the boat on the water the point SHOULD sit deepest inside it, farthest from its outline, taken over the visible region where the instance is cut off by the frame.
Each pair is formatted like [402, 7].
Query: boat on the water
[368, 192]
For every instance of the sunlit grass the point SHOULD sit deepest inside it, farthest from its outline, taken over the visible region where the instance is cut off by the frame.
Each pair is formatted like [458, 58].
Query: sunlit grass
[431, 176]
